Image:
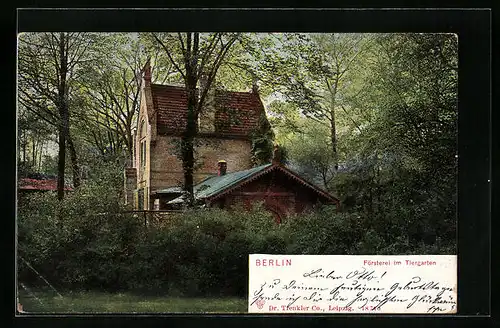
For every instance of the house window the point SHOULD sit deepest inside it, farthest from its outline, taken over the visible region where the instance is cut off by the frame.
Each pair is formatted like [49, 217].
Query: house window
[142, 134]
[143, 153]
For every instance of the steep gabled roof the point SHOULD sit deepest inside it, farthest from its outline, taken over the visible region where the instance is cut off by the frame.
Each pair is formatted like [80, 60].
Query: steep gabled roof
[217, 186]
[170, 105]
[238, 112]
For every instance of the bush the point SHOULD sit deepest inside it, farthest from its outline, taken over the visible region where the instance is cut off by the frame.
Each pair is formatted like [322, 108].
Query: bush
[323, 231]
[84, 242]
[205, 252]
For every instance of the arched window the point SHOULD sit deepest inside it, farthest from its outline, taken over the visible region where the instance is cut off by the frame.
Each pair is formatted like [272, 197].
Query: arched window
[142, 130]
[142, 139]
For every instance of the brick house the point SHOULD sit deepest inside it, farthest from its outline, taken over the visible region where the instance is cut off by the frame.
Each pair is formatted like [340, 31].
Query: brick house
[224, 155]
[225, 127]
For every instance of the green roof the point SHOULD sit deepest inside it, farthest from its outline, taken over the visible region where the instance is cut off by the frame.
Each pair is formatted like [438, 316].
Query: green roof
[170, 190]
[215, 184]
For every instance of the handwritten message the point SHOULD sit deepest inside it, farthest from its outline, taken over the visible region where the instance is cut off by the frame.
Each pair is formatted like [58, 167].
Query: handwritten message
[352, 284]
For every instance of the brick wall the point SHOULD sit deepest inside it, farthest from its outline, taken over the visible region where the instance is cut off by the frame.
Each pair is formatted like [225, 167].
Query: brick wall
[166, 168]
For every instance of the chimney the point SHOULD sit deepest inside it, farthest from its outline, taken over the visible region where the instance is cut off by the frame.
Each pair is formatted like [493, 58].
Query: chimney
[222, 167]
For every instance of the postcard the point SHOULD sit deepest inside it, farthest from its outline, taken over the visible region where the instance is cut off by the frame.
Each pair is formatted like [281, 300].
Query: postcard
[422, 284]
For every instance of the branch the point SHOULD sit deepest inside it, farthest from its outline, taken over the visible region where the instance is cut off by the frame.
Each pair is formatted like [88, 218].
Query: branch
[353, 121]
[169, 56]
[196, 44]
[314, 118]
[76, 58]
[41, 116]
[208, 53]
[183, 48]
[218, 61]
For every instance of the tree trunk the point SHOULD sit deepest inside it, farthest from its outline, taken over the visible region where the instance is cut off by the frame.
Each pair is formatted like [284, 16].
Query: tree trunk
[63, 115]
[370, 198]
[333, 127]
[74, 162]
[61, 163]
[33, 157]
[187, 143]
[130, 146]
[333, 135]
[25, 142]
[194, 60]
[40, 156]
[377, 183]
[188, 164]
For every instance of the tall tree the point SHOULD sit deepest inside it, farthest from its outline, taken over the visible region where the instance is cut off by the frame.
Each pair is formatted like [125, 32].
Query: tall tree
[403, 162]
[196, 57]
[311, 154]
[314, 72]
[48, 65]
[33, 137]
[109, 93]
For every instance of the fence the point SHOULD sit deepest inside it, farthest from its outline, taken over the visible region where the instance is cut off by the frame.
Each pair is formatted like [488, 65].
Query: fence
[154, 218]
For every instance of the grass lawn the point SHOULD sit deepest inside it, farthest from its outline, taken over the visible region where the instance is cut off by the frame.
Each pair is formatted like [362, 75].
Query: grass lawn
[92, 302]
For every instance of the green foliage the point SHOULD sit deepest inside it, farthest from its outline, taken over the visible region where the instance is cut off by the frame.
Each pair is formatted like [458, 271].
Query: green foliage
[57, 236]
[84, 243]
[262, 141]
[107, 94]
[397, 131]
[200, 252]
[205, 252]
[32, 138]
[311, 153]
[323, 231]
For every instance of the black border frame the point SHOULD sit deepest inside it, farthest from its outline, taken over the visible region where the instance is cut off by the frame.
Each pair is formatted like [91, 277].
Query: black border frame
[473, 27]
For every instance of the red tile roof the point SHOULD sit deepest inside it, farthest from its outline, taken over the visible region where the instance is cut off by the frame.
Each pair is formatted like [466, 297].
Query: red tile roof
[237, 112]
[42, 185]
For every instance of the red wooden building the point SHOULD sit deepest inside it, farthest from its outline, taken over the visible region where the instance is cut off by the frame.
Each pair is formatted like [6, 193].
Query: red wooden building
[40, 185]
[280, 189]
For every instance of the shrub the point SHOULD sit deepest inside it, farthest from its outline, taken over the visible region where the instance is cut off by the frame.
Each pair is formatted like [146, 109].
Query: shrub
[82, 240]
[205, 252]
[323, 231]
[85, 242]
